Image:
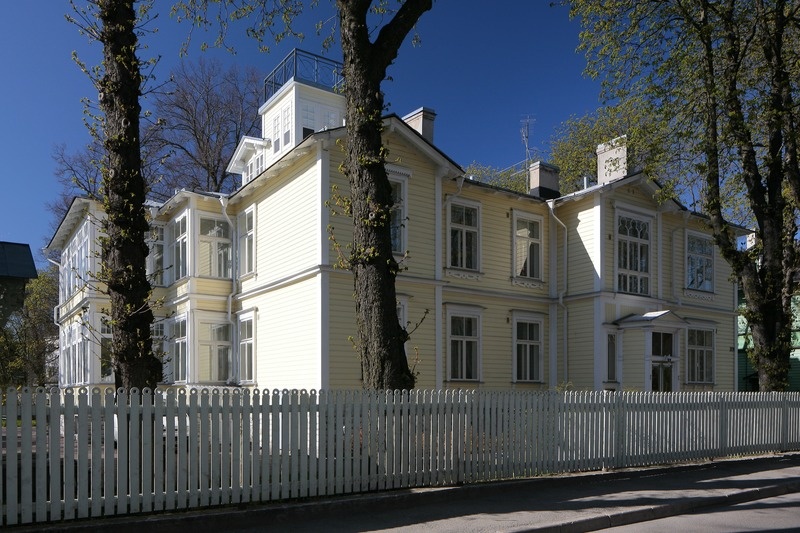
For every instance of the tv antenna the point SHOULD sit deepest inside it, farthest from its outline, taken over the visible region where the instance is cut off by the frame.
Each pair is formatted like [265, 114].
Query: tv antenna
[525, 129]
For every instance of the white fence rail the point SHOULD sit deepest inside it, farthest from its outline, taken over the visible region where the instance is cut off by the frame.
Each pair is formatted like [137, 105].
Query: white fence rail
[101, 453]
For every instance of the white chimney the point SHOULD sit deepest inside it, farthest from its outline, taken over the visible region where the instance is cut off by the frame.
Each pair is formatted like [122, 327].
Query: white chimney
[544, 180]
[612, 160]
[422, 121]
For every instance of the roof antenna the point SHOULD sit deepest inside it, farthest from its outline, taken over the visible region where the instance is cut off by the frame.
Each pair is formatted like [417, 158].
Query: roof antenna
[525, 131]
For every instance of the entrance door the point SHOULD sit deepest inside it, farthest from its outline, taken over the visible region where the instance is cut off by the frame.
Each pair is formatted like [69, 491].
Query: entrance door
[661, 361]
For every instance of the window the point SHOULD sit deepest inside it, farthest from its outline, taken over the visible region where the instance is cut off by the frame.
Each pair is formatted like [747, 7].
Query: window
[700, 357]
[155, 259]
[527, 247]
[179, 350]
[528, 347]
[398, 216]
[214, 253]
[661, 362]
[309, 123]
[254, 167]
[246, 347]
[464, 347]
[699, 263]
[215, 350]
[464, 234]
[180, 247]
[287, 126]
[75, 262]
[633, 255]
[106, 358]
[157, 333]
[330, 118]
[276, 134]
[611, 355]
[247, 242]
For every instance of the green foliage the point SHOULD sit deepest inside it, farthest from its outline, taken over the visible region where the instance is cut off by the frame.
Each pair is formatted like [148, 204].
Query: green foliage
[29, 339]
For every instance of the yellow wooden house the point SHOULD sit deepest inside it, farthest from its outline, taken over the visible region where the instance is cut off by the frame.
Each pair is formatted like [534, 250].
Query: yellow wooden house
[605, 288]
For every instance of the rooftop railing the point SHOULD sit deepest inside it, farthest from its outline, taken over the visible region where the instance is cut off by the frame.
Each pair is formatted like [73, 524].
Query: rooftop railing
[306, 67]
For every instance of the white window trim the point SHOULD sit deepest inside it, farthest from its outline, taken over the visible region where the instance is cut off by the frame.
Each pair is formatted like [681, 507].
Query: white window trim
[527, 318]
[207, 317]
[153, 272]
[650, 219]
[198, 238]
[516, 215]
[251, 316]
[704, 236]
[401, 175]
[173, 243]
[187, 343]
[241, 249]
[458, 271]
[713, 379]
[471, 312]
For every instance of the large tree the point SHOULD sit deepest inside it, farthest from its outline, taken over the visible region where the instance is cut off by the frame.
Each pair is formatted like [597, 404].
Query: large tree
[369, 46]
[187, 139]
[119, 81]
[718, 81]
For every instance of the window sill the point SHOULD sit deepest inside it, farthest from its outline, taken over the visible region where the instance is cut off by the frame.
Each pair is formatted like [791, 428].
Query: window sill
[247, 276]
[464, 380]
[528, 382]
[706, 296]
[528, 283]
[461, 273]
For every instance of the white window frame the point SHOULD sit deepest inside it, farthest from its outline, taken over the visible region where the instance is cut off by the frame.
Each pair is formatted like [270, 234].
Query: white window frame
[399, 212]
[535, 375]
[276, 133]
[629, 241]
[106, 335]
[463, 229]
[247, 254]
[466, 313]
[246, 344]
[700, 256]
[156, 258]
[516, 239]
[286, 114]
[612, 370]
[215, 270]
[179, 352]
[214, 345]
[180, 246]
[708, 356]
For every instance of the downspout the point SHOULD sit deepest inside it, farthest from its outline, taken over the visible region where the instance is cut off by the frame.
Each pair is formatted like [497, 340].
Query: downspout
[223, 200]
[551, 204]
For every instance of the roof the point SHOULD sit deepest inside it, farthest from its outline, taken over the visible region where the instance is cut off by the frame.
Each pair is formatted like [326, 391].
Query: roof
[392, 124]
[16, 261]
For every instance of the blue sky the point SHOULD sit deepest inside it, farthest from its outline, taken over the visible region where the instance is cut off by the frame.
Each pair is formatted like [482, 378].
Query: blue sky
[483, 70]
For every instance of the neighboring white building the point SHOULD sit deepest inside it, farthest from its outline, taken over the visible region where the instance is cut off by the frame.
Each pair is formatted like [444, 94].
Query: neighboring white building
[604, 288]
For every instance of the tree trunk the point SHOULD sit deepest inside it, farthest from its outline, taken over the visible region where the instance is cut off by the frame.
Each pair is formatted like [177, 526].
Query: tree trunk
[381, 337]
[126, 225]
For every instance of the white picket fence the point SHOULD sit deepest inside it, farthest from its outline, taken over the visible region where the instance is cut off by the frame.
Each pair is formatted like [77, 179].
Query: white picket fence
[101, 453]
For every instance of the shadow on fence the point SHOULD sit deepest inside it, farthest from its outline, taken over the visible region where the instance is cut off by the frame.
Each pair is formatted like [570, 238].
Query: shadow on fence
[68, 455]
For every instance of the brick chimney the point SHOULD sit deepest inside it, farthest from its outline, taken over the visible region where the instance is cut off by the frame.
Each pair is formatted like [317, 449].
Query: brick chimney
[422, 121]
[544, 180]
[612, 160]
